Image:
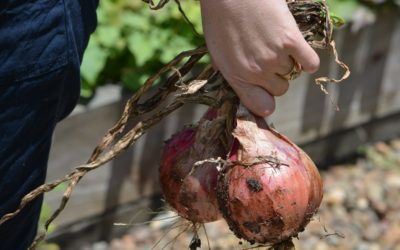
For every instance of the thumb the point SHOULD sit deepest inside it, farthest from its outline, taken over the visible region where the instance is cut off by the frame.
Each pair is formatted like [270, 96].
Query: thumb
[253, 97]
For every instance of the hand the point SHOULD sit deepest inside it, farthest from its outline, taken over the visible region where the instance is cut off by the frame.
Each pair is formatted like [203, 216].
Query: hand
[252, 42]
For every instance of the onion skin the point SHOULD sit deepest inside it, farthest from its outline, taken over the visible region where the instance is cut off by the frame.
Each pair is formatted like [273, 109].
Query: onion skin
[270, 202]
[191, 190]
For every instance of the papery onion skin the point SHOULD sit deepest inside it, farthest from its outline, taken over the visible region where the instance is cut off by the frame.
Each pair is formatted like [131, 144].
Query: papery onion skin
[191, 190]
[269, 202]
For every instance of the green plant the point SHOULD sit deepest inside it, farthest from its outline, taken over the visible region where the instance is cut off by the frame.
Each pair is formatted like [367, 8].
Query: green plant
[346, 8]
[131, 42]
[45, 214]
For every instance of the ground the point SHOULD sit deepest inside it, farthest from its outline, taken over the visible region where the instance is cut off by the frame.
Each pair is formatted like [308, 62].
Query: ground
[360, 211]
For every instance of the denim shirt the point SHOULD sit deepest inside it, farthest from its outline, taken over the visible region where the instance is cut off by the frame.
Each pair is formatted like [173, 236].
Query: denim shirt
[37, 36]
[41, 48]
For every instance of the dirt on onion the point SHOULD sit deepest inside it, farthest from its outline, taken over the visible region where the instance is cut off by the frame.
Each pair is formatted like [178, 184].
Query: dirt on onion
[191, 189]
[269, 189]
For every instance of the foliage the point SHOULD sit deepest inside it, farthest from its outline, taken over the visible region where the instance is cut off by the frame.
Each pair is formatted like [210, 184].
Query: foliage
[45, 214]
[131, 42]
[346, 8]
[382, 154]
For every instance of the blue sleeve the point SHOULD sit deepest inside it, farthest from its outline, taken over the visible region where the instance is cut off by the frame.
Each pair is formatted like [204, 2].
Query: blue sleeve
[41, 47]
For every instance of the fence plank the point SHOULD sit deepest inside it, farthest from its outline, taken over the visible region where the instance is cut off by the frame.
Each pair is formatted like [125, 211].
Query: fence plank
[305, 114]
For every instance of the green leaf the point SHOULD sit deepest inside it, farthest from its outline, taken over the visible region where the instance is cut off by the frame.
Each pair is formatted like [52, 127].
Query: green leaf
[60, 188]
[344, 9]
[337, 20]
[192, 10]
[48, 246]
[101, 13]
[134, 80]
[93, 62]
[137, 21]
[86, 89]
[174, 46]
[45, 212]
[132, 38]
[140, 47]
[108, 36]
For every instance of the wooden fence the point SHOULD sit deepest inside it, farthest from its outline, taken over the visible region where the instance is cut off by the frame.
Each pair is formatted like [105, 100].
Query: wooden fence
[369, 110]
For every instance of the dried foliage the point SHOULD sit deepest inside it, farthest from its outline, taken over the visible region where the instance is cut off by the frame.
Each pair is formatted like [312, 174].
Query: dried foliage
[181, 87]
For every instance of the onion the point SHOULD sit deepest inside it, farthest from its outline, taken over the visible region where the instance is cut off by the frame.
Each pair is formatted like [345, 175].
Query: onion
[271, 189]
[190, 189]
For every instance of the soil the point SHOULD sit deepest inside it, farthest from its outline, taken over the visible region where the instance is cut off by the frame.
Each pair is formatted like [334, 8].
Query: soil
[360, 211]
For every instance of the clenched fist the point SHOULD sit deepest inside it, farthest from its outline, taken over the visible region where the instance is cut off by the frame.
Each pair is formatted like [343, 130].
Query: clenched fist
[253, 43]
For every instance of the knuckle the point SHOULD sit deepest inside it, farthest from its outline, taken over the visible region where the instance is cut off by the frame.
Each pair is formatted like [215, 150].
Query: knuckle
[253, 68]
[289, 39]
[251, 73]
[258, 65]
[269, 57]
[314, 64]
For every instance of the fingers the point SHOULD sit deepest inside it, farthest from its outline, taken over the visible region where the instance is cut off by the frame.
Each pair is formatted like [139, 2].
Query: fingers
[213, 64]
[302, 52]
[274, 84]
[255, 98]
[277, 85]
[284, 65]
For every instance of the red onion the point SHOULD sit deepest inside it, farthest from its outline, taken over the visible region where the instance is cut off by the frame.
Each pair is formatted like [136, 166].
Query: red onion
[272, 188]
[190, 189]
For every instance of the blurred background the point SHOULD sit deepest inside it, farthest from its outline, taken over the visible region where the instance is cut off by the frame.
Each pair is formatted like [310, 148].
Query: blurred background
[357, 148]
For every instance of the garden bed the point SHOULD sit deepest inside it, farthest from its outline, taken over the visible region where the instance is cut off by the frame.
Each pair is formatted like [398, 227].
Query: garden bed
[360, 211]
